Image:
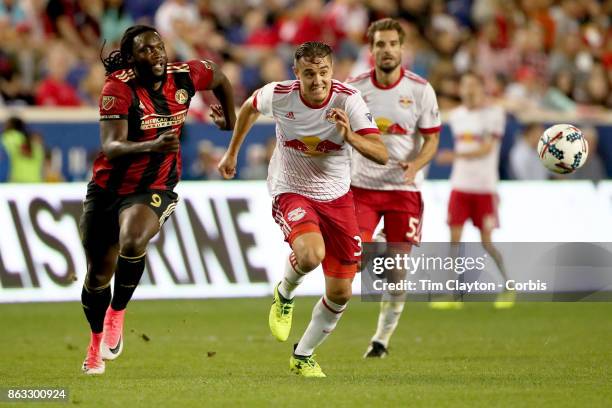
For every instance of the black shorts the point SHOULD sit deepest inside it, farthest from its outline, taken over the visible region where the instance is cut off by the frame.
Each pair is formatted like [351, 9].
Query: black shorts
[100, 220]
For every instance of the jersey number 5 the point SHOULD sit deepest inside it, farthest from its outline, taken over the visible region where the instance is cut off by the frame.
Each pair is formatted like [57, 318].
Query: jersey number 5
[413, 229]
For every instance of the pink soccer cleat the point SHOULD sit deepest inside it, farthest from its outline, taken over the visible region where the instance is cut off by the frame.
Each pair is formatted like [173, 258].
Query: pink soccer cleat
[93, 363]
[112, 344]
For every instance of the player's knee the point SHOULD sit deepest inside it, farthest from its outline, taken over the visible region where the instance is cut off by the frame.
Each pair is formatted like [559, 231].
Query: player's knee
[310, 258]
[132, 244]
[96, 279]
[339, 295]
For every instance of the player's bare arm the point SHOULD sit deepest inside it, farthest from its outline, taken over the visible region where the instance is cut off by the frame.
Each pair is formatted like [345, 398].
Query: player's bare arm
[224, 114]
[246, 118]
[426, 154]
[369, 145]
[484, 149]
[446, 156]
[115, 143]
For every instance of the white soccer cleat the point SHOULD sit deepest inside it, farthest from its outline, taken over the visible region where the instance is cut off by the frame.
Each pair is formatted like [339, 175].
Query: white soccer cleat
[111, 353]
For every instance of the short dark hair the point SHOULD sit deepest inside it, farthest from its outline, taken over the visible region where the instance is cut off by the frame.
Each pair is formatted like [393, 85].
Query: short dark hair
[311, 50]
[385, 24]
[117, 59]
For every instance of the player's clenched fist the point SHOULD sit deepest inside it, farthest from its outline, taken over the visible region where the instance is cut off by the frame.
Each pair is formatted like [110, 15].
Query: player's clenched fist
[227, 166]
[342, 122]
[167, 142]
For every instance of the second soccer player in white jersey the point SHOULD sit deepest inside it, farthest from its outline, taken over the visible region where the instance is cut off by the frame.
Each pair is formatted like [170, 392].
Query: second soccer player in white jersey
[317, 119]
[405, 109]
[477, 129]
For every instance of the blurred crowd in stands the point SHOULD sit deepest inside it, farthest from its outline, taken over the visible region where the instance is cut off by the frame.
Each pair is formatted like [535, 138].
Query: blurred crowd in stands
[534, 54]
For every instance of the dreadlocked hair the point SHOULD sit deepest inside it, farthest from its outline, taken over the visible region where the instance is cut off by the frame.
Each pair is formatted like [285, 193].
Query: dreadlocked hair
[118, 59]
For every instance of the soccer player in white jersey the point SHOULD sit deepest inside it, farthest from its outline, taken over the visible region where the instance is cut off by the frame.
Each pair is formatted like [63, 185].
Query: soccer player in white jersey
[406, 112]
[317, 120]
[477, 129]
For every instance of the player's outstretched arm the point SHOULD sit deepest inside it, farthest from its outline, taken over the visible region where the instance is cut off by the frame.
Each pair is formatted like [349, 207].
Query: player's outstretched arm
[426, 154]
[224, 115]
[246, 118]
[446, 156]
[484, 149]
[369, 145]
[115, 143]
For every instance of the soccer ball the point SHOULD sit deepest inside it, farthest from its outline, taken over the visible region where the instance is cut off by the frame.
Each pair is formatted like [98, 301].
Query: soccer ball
[563, 149]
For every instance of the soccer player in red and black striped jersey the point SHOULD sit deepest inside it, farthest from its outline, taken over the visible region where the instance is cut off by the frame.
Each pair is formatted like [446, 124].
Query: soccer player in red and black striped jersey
[143, 107]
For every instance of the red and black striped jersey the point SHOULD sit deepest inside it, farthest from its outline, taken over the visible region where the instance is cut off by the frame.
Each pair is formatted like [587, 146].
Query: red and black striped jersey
[149, 113]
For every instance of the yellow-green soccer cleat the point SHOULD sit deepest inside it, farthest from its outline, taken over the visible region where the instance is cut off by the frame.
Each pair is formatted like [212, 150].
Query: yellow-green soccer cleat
[505, 300]
[281, 314]
[305, 367]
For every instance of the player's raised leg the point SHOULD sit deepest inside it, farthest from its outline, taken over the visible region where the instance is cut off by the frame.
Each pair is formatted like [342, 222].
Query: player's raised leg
[308, 252]
[138, 224]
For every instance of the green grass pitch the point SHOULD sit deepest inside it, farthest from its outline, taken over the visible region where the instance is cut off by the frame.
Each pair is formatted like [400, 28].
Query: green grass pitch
[204, 353]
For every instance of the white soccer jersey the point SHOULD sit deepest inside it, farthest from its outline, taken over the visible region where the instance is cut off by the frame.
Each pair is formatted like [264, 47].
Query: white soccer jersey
[470, 129]
[403, 111]
[311, 157]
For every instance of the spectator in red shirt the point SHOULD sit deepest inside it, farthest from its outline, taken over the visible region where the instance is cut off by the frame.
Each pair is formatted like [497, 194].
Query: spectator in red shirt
[304, 23]
[54, 90]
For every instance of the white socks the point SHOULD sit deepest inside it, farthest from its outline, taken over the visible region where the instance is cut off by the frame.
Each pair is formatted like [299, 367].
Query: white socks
[390, 312]
[325, 316]
[291, 279]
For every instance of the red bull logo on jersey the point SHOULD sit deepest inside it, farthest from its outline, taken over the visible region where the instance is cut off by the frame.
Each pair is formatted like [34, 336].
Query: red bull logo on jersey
[387, 127]
[405, 102]
[312, 145]
[155, 121]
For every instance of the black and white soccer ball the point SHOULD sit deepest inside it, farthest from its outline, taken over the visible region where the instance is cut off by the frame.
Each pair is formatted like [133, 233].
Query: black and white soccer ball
[563, 149]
